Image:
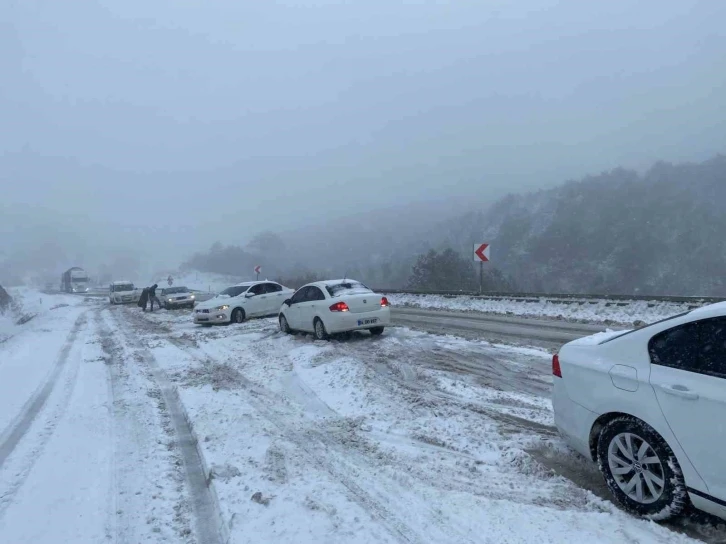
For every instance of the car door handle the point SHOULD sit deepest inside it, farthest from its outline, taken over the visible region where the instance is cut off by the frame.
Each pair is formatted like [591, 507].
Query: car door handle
[679, 391]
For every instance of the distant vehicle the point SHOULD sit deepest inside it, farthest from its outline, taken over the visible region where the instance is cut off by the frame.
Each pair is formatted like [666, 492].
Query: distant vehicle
[123, 292]
[237, 303]
[176, 297]
[74, 280]
[335, 306]
[648, 406]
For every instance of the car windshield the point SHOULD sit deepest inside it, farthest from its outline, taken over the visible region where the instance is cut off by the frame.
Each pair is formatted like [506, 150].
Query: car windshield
[346, 288]
[123, 287]
[234, 291]
[625, 333]
[174, 290]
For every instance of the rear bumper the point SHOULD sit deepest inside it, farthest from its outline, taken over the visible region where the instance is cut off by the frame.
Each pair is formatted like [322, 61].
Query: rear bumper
[347, 321]
[572, 420]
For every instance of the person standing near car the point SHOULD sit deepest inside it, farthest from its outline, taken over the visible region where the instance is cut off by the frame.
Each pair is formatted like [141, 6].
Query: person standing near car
[143, 299]
[153, 297]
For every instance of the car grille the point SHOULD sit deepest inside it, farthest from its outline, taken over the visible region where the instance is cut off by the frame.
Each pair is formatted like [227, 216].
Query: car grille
[181, 298]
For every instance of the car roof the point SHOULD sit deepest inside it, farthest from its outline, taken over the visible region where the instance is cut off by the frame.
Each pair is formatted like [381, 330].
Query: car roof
[251, 283]
[710, 310]
[324, 283]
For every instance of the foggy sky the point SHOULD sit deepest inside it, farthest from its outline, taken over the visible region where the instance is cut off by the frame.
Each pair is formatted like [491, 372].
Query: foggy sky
[171, 124]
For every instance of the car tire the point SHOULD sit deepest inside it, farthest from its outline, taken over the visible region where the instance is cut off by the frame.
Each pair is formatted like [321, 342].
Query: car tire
[319, 328]
[238, 316]
[284, 325]
[654, 489]
[377, 331]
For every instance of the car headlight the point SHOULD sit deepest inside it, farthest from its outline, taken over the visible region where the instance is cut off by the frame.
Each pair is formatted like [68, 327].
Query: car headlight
[169, 300]
[191, 296]
[223, 307]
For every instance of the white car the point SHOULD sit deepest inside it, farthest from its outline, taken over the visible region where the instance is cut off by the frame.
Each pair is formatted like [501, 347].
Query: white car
[237, 303]
[123, 292]
[176, 297]
[649, 406]
[335, 306]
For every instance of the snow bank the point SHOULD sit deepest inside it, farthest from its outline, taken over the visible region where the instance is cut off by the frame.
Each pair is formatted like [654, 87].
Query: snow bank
[594, 311]
[27, 304]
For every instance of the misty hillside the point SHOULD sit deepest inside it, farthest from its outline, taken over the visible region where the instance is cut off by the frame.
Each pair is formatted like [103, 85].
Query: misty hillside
[660, 233]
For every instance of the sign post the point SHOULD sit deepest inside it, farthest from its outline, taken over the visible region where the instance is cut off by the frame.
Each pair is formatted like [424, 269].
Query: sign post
[481, 255]
[169, 280]
[258, 269]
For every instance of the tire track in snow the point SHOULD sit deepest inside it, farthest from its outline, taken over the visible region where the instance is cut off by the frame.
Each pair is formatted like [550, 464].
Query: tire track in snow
[207, 516]
[29, 415]
[316, 446]
[16, 430]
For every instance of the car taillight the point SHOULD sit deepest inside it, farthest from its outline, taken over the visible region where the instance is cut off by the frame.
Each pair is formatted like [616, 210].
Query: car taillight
[384, 302]
[339, 307]
[556, 370]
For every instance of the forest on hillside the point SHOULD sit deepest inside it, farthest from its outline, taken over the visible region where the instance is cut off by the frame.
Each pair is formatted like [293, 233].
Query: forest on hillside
[620, 232]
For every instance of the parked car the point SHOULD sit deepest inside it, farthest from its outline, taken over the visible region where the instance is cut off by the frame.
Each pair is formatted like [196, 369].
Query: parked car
[123, 292]
[335, 306]
[176, 297]
[649, 406]
[237, 303]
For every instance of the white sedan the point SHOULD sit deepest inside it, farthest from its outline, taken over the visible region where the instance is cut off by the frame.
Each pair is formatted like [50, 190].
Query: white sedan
[335, 306]
[176, 297]
[649, 406]
[237, 303]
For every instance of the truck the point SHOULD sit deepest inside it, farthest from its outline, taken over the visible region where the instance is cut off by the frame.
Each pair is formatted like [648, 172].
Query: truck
[74, 280]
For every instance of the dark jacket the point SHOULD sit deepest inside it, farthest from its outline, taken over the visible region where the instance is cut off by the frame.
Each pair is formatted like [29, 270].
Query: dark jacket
[144, 298]
[152, 290]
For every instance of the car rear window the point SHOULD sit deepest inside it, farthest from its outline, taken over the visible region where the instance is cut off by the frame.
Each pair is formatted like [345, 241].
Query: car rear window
[347, 288]
[645, 327]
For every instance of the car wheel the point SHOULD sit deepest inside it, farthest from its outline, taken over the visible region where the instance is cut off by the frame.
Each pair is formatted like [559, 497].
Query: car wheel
[238, 315]
[640, 469]
[320, 332]
[377, 331]
[284, 325]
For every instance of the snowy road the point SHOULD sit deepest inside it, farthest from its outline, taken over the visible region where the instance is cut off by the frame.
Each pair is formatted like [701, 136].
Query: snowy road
[547, 333]
[121, 426]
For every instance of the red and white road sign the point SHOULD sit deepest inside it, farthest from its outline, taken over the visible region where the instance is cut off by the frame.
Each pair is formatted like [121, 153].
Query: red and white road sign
[481, 253]
[258, 269]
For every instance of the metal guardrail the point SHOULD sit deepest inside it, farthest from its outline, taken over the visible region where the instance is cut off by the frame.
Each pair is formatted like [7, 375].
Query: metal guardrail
[560, 297]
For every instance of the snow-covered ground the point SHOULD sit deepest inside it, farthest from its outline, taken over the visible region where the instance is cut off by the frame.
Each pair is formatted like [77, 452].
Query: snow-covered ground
[405, 438]
[27, 305]
[118, 425]
[594, 311]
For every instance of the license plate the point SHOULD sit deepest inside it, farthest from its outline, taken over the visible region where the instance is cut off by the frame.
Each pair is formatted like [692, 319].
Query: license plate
[370, 321]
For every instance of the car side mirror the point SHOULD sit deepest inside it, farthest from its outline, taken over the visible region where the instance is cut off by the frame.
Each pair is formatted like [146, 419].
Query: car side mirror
[249, 295]
[288, 302]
